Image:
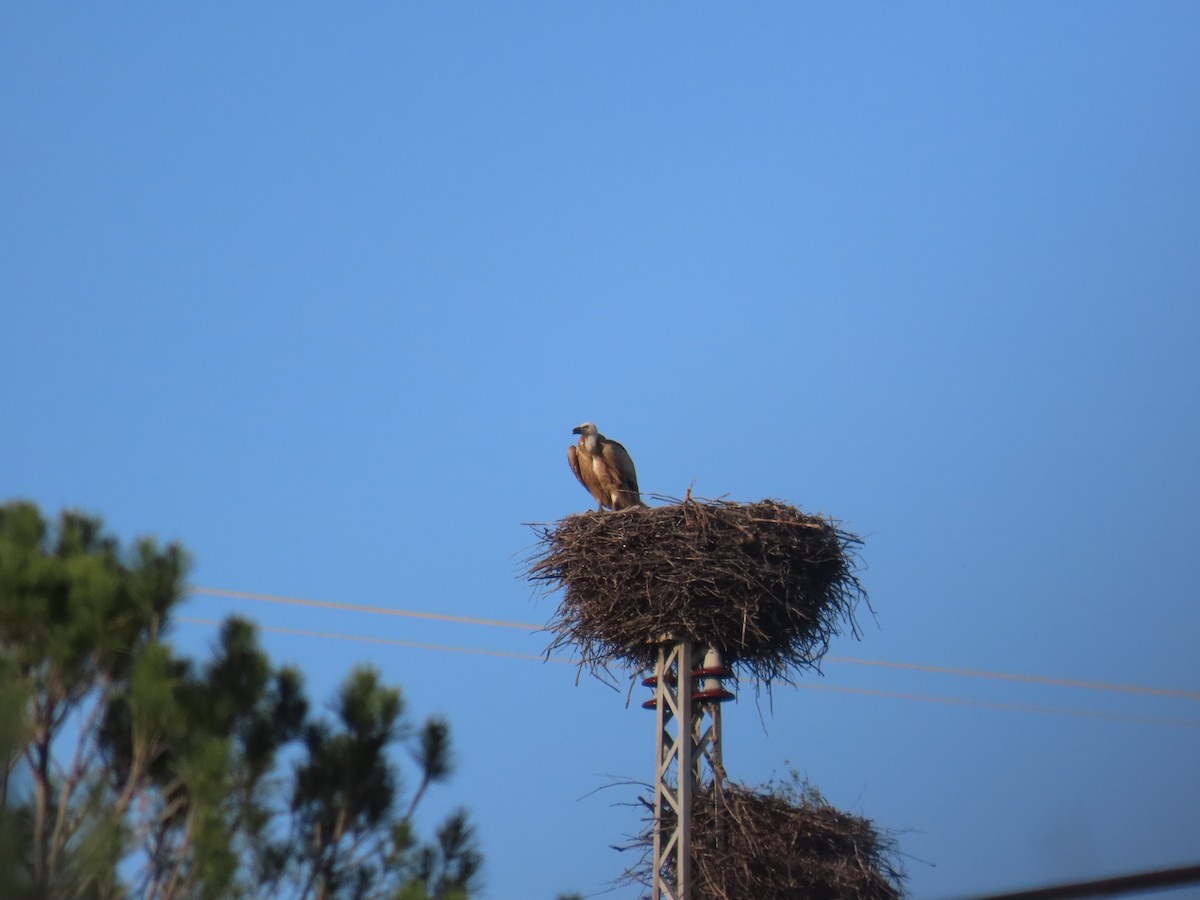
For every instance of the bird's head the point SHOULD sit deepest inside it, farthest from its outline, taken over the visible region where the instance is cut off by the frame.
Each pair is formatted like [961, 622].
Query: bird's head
[586, 429]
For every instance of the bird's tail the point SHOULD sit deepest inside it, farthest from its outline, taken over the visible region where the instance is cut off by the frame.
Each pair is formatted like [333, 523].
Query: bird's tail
[630, 499]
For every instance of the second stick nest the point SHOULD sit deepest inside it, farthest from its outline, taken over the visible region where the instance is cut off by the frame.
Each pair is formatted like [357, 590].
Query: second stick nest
[765, 583]
[779, 844]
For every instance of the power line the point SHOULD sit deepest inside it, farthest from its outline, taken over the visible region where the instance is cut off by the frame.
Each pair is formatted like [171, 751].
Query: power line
[393, 642]
[891, 695]
[351, 607]
[1009, 707]
[530, 627]
[1139, 882]
[1031, 679]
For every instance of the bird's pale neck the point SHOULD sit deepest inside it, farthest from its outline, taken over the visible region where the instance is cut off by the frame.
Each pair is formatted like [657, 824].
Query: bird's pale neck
[589, 442]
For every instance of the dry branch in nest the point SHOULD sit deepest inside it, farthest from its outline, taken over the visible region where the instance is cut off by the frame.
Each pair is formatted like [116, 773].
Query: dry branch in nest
[781, 844]
[765, 583]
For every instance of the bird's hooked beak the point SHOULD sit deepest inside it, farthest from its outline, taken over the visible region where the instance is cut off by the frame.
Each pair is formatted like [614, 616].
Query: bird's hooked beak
[578, 429]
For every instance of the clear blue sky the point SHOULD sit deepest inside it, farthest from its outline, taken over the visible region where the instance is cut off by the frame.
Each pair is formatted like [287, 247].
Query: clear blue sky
[321, 291]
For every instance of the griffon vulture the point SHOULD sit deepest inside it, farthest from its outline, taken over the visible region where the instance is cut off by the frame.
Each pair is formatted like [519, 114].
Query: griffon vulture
[604, 468]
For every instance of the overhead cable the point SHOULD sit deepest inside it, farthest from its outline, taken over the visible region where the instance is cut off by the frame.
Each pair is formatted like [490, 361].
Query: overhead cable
[1179, 693]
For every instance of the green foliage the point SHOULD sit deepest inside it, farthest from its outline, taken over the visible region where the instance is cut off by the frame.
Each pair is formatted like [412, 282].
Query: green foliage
[123, 757]
[345, 795]
[75, 619]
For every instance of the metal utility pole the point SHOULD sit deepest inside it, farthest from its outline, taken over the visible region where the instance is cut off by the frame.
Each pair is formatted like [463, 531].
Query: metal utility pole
[688, 748]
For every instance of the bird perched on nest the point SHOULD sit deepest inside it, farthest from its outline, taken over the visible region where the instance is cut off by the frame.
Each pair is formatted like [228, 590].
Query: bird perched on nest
[605, 468]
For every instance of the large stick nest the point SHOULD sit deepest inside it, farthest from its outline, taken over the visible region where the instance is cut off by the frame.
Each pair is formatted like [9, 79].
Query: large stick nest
[779, 845]
[765, 583]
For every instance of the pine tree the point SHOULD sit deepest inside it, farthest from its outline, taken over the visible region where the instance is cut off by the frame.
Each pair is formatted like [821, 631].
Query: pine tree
[132, 771]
